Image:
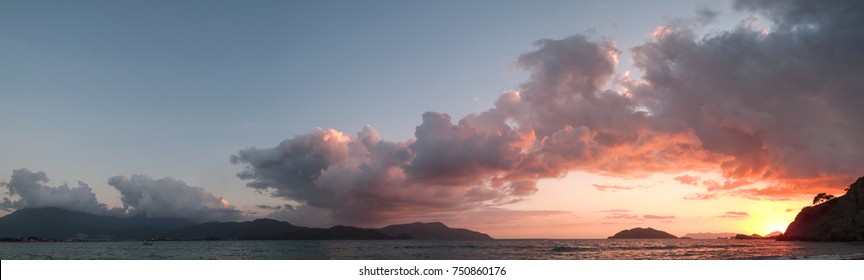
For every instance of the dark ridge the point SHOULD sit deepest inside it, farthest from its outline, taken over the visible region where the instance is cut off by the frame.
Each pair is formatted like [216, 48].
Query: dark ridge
[838, 219]
[59, 224]
[433, 231]
[646, 233]
[257, 229]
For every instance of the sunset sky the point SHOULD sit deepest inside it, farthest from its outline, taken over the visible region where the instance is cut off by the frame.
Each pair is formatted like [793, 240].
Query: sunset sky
[520, 119]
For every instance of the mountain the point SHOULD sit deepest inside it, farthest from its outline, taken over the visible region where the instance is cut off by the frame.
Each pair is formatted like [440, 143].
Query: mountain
[752, 236]
[774, 234]
[336, 233]
[56, 223]
[267, 229]
[839, 219]
[709, 235]
[643, 233]
[59, 224]
[433, 231]
[257, 229]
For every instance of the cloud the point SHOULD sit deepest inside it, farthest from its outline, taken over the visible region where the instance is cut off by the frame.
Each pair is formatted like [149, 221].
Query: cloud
[268, 207]
[621, 215]
[657, 217]
[779, 108]
[615, 210]
[688, 180]
[171, 198]
[507, 218]
[304, 215]
[701, 196]
[612, 188]
[734, 214]
[32, 191]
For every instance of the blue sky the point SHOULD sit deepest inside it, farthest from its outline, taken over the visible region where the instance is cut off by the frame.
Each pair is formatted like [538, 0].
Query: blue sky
[94, 89]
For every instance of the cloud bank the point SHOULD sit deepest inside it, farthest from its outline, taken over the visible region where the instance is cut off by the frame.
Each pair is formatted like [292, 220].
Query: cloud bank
[779, 106]
[33, 192]
[171, 198]
[141, 195]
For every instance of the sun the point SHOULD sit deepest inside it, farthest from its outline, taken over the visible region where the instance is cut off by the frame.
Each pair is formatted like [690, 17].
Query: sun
[763, 225]
[772, 227]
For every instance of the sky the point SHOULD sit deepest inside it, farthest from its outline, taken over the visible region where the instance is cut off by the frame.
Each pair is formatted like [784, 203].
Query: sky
[521, 119]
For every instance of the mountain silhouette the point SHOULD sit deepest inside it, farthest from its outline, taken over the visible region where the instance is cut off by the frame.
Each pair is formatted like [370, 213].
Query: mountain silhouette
[59, 224]
[643, 233]
[433, 231]
[56, 223]
[838, 219]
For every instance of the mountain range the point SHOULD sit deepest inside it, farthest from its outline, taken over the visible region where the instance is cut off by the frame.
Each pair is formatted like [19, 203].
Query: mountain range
[60, 224]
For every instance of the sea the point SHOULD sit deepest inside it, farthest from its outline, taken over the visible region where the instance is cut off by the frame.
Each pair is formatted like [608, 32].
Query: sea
[522, 249]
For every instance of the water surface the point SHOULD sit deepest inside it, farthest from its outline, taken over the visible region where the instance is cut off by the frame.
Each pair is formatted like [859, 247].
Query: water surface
[528, 249]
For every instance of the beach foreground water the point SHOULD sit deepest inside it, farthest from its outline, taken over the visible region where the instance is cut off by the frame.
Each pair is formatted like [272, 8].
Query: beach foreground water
[524, 249]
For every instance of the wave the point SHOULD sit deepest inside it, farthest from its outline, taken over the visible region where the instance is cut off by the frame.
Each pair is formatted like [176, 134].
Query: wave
[564, 249]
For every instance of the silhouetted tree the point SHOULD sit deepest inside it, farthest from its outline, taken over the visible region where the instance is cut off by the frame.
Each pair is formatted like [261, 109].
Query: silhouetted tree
[822, 197]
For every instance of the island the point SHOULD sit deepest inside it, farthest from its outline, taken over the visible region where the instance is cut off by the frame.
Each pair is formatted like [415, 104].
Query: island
[646, 233]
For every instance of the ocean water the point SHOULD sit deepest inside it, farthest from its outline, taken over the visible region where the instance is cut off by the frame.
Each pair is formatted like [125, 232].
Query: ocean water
[528, 249]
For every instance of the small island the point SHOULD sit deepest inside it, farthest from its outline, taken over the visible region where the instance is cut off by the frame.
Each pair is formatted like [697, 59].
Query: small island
[642, 233]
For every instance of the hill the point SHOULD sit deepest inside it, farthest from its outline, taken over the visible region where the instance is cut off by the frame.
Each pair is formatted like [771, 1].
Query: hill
[839, 219]
[643, 233]
[56, 223]
[59, 224]
[433, 231]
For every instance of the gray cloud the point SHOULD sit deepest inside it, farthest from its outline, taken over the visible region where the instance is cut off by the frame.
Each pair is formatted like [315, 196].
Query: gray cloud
[269, 207]
[171, 198]
[33, 192]
[780, 106]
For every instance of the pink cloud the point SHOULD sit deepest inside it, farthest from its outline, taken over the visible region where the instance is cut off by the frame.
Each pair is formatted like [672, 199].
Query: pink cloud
[734, 214]
[612, 187]
[701, 196]
[657, 217]
[688, 180]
